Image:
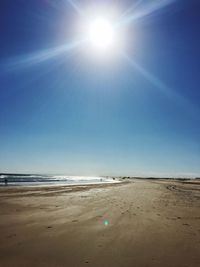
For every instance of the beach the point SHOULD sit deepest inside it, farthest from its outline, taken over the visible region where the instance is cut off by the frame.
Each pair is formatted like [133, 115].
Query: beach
[140, 222]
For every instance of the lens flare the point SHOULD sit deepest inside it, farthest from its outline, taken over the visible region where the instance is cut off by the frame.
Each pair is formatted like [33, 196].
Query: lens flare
[106, 222]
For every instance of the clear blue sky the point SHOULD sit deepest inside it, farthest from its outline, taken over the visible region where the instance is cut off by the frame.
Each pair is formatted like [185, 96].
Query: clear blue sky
[72, 113]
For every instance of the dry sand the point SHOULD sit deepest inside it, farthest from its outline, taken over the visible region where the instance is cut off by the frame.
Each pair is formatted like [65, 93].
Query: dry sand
[150, 223]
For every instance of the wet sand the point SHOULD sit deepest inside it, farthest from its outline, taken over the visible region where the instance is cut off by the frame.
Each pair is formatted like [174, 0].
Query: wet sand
[144, 223]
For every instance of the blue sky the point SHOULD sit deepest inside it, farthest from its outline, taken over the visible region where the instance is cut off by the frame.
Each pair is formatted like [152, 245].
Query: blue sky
[135, 113]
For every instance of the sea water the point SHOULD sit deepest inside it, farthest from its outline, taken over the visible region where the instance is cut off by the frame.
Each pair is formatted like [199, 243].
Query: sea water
[33, 180]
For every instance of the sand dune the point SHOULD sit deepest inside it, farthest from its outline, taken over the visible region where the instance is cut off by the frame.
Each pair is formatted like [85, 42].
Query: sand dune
[141, 223]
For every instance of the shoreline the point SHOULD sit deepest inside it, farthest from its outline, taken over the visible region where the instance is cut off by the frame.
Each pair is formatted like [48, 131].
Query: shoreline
[53, 184]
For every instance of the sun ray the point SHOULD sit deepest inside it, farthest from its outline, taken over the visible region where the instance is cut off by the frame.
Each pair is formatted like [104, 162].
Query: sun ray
[75, 6]
[38, 57]
[144, 9]
[161, 86]
[131, 8]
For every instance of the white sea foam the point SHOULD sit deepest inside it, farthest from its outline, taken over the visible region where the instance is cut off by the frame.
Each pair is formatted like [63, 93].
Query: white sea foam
[31, 180]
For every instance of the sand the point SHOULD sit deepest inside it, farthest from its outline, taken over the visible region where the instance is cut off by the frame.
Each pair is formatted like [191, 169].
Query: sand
[142, 223]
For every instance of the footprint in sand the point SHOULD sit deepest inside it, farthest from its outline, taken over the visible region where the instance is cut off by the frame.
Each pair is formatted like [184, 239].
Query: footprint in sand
[49, 227]
[12, 235]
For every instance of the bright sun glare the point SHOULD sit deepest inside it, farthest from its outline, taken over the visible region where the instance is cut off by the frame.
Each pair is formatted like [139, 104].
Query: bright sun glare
[101, 34]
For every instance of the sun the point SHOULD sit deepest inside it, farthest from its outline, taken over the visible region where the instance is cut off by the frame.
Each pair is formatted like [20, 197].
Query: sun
[101, 33]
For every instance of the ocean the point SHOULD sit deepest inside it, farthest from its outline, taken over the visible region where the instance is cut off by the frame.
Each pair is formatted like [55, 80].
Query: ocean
[34, 180]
